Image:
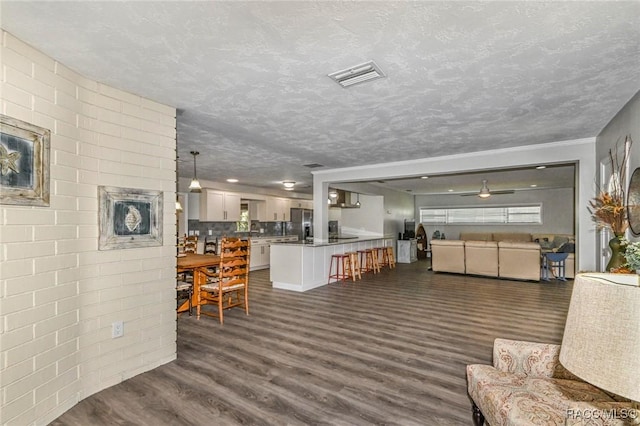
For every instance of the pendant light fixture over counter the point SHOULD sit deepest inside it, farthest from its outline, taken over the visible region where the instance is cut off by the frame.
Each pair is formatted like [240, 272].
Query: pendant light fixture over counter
[195, 183]
[358, 200]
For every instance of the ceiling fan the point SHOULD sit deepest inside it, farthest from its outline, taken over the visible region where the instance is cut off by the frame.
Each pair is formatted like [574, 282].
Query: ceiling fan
[486, 193]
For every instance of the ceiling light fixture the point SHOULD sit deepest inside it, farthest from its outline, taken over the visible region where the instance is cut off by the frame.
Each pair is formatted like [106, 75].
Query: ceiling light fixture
[484, 191]
[541, 167]
[333, 194]
[232, 180]
[288, 184]
[194, 186]
[424, 177]
[357, 74]
[358, 200]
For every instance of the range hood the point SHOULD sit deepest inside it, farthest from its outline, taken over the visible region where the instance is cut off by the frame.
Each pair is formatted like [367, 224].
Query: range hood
[343, 200]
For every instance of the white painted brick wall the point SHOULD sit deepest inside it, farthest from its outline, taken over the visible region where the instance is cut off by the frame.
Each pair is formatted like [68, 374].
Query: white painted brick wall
[58, 293]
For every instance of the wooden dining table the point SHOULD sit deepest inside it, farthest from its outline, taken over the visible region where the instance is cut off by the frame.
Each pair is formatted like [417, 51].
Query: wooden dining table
[195, 263]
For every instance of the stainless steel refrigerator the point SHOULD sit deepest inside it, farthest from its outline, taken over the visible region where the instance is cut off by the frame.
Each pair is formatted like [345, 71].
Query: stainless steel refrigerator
[302, 223]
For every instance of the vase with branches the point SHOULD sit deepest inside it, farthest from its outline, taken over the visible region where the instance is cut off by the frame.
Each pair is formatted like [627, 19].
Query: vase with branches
[608, 208]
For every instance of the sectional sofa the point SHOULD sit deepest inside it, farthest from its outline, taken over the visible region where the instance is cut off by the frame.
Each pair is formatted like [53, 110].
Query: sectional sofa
[500, 255]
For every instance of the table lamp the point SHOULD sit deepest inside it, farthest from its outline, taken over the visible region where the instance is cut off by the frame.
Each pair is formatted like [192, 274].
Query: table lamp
[601, 342]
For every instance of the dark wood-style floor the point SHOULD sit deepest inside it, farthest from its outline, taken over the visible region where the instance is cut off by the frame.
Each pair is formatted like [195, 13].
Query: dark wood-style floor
[390, 349]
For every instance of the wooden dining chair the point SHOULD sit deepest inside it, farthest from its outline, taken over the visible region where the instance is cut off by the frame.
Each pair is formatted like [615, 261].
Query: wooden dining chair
[230, 286]
[210, 245]
[184, 289]
[191, 244]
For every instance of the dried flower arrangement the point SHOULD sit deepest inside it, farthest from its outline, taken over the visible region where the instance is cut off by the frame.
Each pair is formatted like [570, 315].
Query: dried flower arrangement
[608, 209]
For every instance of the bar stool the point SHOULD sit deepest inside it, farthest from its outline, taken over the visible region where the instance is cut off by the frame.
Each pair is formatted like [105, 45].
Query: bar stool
[354, 265]
[342, 267]
[383, 256]
[391, 259]
[370, 261]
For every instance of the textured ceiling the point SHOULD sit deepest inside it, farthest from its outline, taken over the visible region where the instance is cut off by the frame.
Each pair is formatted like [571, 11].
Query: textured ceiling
[250, 78]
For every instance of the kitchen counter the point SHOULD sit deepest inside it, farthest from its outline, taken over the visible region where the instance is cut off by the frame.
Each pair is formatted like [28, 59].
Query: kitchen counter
[330, 241]
[302, 266]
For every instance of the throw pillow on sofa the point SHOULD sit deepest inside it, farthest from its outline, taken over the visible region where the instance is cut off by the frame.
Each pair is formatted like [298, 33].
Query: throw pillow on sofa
[545, 244]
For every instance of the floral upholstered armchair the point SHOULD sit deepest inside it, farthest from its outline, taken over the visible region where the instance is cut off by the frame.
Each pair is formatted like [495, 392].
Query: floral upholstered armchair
[527, 385]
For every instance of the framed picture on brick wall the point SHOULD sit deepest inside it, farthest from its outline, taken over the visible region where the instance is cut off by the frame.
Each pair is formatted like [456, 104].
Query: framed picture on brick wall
[129, 218]
[24, 163]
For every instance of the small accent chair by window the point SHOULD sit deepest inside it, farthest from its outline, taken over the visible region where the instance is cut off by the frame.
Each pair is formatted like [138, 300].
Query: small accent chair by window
[229, 287]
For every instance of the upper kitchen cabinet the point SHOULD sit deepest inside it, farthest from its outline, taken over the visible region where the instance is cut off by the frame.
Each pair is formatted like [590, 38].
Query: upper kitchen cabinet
[258, 211]
[219, 206]
[278, 209]
[302, 204]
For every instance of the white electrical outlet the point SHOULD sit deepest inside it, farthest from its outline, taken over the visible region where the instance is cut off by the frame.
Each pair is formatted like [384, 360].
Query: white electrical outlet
[210, 231]
[117, 329]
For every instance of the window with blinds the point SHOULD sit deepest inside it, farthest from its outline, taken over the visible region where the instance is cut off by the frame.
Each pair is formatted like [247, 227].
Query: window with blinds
[483, 215]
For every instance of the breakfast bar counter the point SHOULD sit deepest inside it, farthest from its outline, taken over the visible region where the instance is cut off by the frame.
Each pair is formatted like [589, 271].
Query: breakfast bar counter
[301, 266]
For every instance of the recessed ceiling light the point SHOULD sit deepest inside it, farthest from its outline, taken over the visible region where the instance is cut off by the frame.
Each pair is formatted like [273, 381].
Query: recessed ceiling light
[424, 177]
[450, 190]
[232, 180]
[541, 167]
[289, 189]
[533, 185]
[288, 184]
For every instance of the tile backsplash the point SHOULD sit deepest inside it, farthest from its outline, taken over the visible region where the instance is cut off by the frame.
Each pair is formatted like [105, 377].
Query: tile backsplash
[228, 229]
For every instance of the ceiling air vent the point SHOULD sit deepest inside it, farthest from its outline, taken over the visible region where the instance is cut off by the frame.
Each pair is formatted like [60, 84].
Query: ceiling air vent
[313, 165]
[357, 74]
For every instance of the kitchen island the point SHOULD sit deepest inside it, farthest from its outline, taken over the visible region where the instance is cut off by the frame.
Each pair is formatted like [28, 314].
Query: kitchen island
[301, 265]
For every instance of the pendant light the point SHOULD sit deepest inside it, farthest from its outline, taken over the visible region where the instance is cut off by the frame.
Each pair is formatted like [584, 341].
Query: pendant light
[194, 186]
[358, 199]
[484, 191]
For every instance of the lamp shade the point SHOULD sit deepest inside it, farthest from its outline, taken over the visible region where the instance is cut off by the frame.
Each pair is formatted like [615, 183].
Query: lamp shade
[601, 342]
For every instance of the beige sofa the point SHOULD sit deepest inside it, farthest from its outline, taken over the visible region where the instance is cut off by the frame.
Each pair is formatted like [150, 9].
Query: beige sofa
[450, 256]
[519, 260]
[520, 254]
[481, 258]
[527, 385]
[503, 259]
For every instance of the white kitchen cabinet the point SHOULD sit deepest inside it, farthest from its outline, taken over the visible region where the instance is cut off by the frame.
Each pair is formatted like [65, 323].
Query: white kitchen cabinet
[407, 251]
[278, 209]
[261, 250]
[219, 206]
[301, 204]
[260, 254]
[258, 211]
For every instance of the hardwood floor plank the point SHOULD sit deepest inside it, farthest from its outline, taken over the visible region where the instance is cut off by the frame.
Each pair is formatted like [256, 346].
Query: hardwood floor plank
[390, 349]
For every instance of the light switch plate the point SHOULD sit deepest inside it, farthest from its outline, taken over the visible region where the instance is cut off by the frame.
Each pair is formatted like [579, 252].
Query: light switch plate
[117, 329]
